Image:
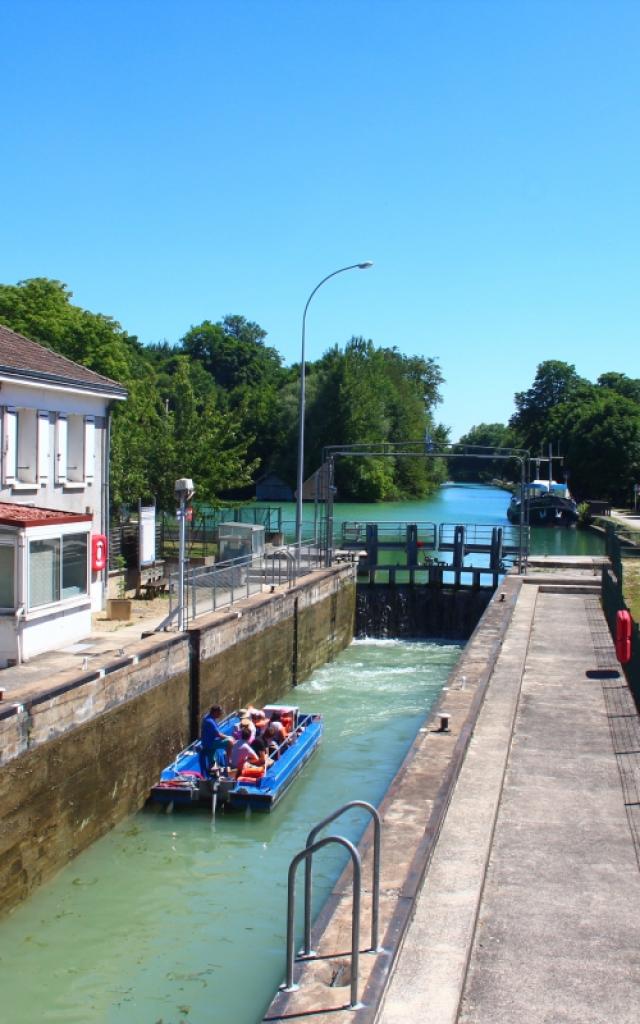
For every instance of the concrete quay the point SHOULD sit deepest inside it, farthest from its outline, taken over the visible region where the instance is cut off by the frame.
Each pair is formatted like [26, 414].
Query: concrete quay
[519, 901]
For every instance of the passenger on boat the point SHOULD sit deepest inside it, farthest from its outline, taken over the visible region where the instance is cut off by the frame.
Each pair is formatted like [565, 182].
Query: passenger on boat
[243, 720]
[260, 750]
[276, 727]
[274, 736]
[243, 753]
[212, 739]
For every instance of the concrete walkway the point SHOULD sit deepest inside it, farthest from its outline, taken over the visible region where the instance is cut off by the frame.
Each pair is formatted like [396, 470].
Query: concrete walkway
[530, 910]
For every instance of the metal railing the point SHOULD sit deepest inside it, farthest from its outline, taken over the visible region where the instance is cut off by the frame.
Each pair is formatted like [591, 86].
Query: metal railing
[209, 588]
[621, 546]
[479, 536]
[351, 533]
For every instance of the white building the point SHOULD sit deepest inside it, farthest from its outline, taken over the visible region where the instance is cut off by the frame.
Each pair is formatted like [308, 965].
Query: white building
[54, 496]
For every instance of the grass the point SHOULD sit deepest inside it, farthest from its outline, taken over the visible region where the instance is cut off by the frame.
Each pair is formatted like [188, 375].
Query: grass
[631, 586]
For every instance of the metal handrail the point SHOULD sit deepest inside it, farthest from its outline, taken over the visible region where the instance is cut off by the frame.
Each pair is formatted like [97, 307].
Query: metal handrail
[307, 855]
[375, 896]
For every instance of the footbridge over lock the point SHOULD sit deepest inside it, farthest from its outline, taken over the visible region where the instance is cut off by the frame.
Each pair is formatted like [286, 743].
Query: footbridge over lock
[430, 554]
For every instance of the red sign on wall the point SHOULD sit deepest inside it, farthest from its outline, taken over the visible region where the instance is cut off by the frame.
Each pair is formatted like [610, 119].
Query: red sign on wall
[98, 552]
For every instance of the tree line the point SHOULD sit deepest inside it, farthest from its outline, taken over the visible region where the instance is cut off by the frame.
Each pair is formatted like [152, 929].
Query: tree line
[220, 406]
[595, 428]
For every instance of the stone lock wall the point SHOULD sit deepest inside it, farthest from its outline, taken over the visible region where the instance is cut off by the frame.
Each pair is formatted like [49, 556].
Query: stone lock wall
[82, 755]
[78, 761]
[255, 653]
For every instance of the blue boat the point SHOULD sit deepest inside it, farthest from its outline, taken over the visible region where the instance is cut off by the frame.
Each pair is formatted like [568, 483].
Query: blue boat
[183, 781]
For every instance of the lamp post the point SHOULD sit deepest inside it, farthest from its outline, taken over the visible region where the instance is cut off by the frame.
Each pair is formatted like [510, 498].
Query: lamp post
[353, 266]
[184, 492]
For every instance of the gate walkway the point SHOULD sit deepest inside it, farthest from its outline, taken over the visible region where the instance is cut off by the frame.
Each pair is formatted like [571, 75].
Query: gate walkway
[530, 909]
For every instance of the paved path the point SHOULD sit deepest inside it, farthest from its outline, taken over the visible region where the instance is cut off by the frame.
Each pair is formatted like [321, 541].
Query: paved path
[530, 912]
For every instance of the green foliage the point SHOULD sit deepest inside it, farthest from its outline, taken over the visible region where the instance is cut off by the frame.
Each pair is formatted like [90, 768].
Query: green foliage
[628, 387]
[599, 435]
[372, 396]
[491, 436]
[596, 427]
[220, 407]
[555, 383]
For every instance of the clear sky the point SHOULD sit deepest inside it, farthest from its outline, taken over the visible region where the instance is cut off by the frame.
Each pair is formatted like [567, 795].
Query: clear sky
[177, 161]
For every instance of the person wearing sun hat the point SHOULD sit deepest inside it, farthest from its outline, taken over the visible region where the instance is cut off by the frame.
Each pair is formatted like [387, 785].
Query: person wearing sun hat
[244, 721]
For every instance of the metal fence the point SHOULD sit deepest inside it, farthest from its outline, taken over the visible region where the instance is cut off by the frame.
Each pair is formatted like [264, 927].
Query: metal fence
[351, 533]
[621, 546]
[209, 588]
[202, 528]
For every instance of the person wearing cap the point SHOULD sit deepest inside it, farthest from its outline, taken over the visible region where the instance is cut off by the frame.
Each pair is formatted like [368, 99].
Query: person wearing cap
[212, 739]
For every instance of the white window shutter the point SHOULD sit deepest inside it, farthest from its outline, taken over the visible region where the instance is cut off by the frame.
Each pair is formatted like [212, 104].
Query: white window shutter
[44, 446]
[89, 447]
[61, 449]
[9, 445]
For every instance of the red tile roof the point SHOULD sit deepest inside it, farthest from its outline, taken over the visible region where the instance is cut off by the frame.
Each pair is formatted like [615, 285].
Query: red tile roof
[14, 514]
[21, 357]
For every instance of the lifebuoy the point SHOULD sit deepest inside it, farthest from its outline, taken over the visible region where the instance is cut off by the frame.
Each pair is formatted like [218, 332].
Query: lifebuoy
[623, 637]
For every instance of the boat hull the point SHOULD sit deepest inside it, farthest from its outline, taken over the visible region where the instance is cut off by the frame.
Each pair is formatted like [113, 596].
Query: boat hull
[540, 512]
[182, 783]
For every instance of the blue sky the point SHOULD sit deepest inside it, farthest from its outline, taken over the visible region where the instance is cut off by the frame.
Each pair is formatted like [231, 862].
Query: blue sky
[173, 162]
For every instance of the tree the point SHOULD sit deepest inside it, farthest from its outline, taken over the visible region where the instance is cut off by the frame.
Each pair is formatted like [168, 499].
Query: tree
[372, 396]
[555, 382]
[600, 438]
[489, 436]
[628, 387]
[248, 375]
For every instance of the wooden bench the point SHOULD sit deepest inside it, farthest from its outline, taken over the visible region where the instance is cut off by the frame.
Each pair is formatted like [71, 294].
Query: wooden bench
[155, 587]
[150, 580]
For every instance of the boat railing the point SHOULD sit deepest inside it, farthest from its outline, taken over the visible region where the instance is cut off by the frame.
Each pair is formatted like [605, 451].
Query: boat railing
[277, 768]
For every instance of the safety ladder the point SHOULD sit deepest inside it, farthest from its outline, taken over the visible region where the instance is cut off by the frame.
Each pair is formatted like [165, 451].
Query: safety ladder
[311, 847]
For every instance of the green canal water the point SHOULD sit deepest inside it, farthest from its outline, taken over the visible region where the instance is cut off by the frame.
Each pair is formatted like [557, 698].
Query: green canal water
[178, 918]
[453, 503]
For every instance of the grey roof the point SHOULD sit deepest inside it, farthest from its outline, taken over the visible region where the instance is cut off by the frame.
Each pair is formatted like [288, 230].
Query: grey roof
[20, 357]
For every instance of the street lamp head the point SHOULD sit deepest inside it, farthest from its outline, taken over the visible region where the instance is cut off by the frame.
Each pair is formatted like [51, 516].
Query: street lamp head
[365, 265]
[184, 488]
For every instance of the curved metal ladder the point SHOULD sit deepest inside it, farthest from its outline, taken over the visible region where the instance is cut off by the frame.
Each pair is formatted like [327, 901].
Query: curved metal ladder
[312, 845]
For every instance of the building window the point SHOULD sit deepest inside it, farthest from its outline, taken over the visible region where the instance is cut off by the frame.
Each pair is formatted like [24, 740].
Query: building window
[74, 565]
[75, 449]
[27, 446]
[7, 576]
[58, 569]
[44, 572]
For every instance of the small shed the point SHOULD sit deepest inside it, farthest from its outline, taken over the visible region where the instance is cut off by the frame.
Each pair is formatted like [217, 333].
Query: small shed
[271, 488]
[45, 580]
[237, 540]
